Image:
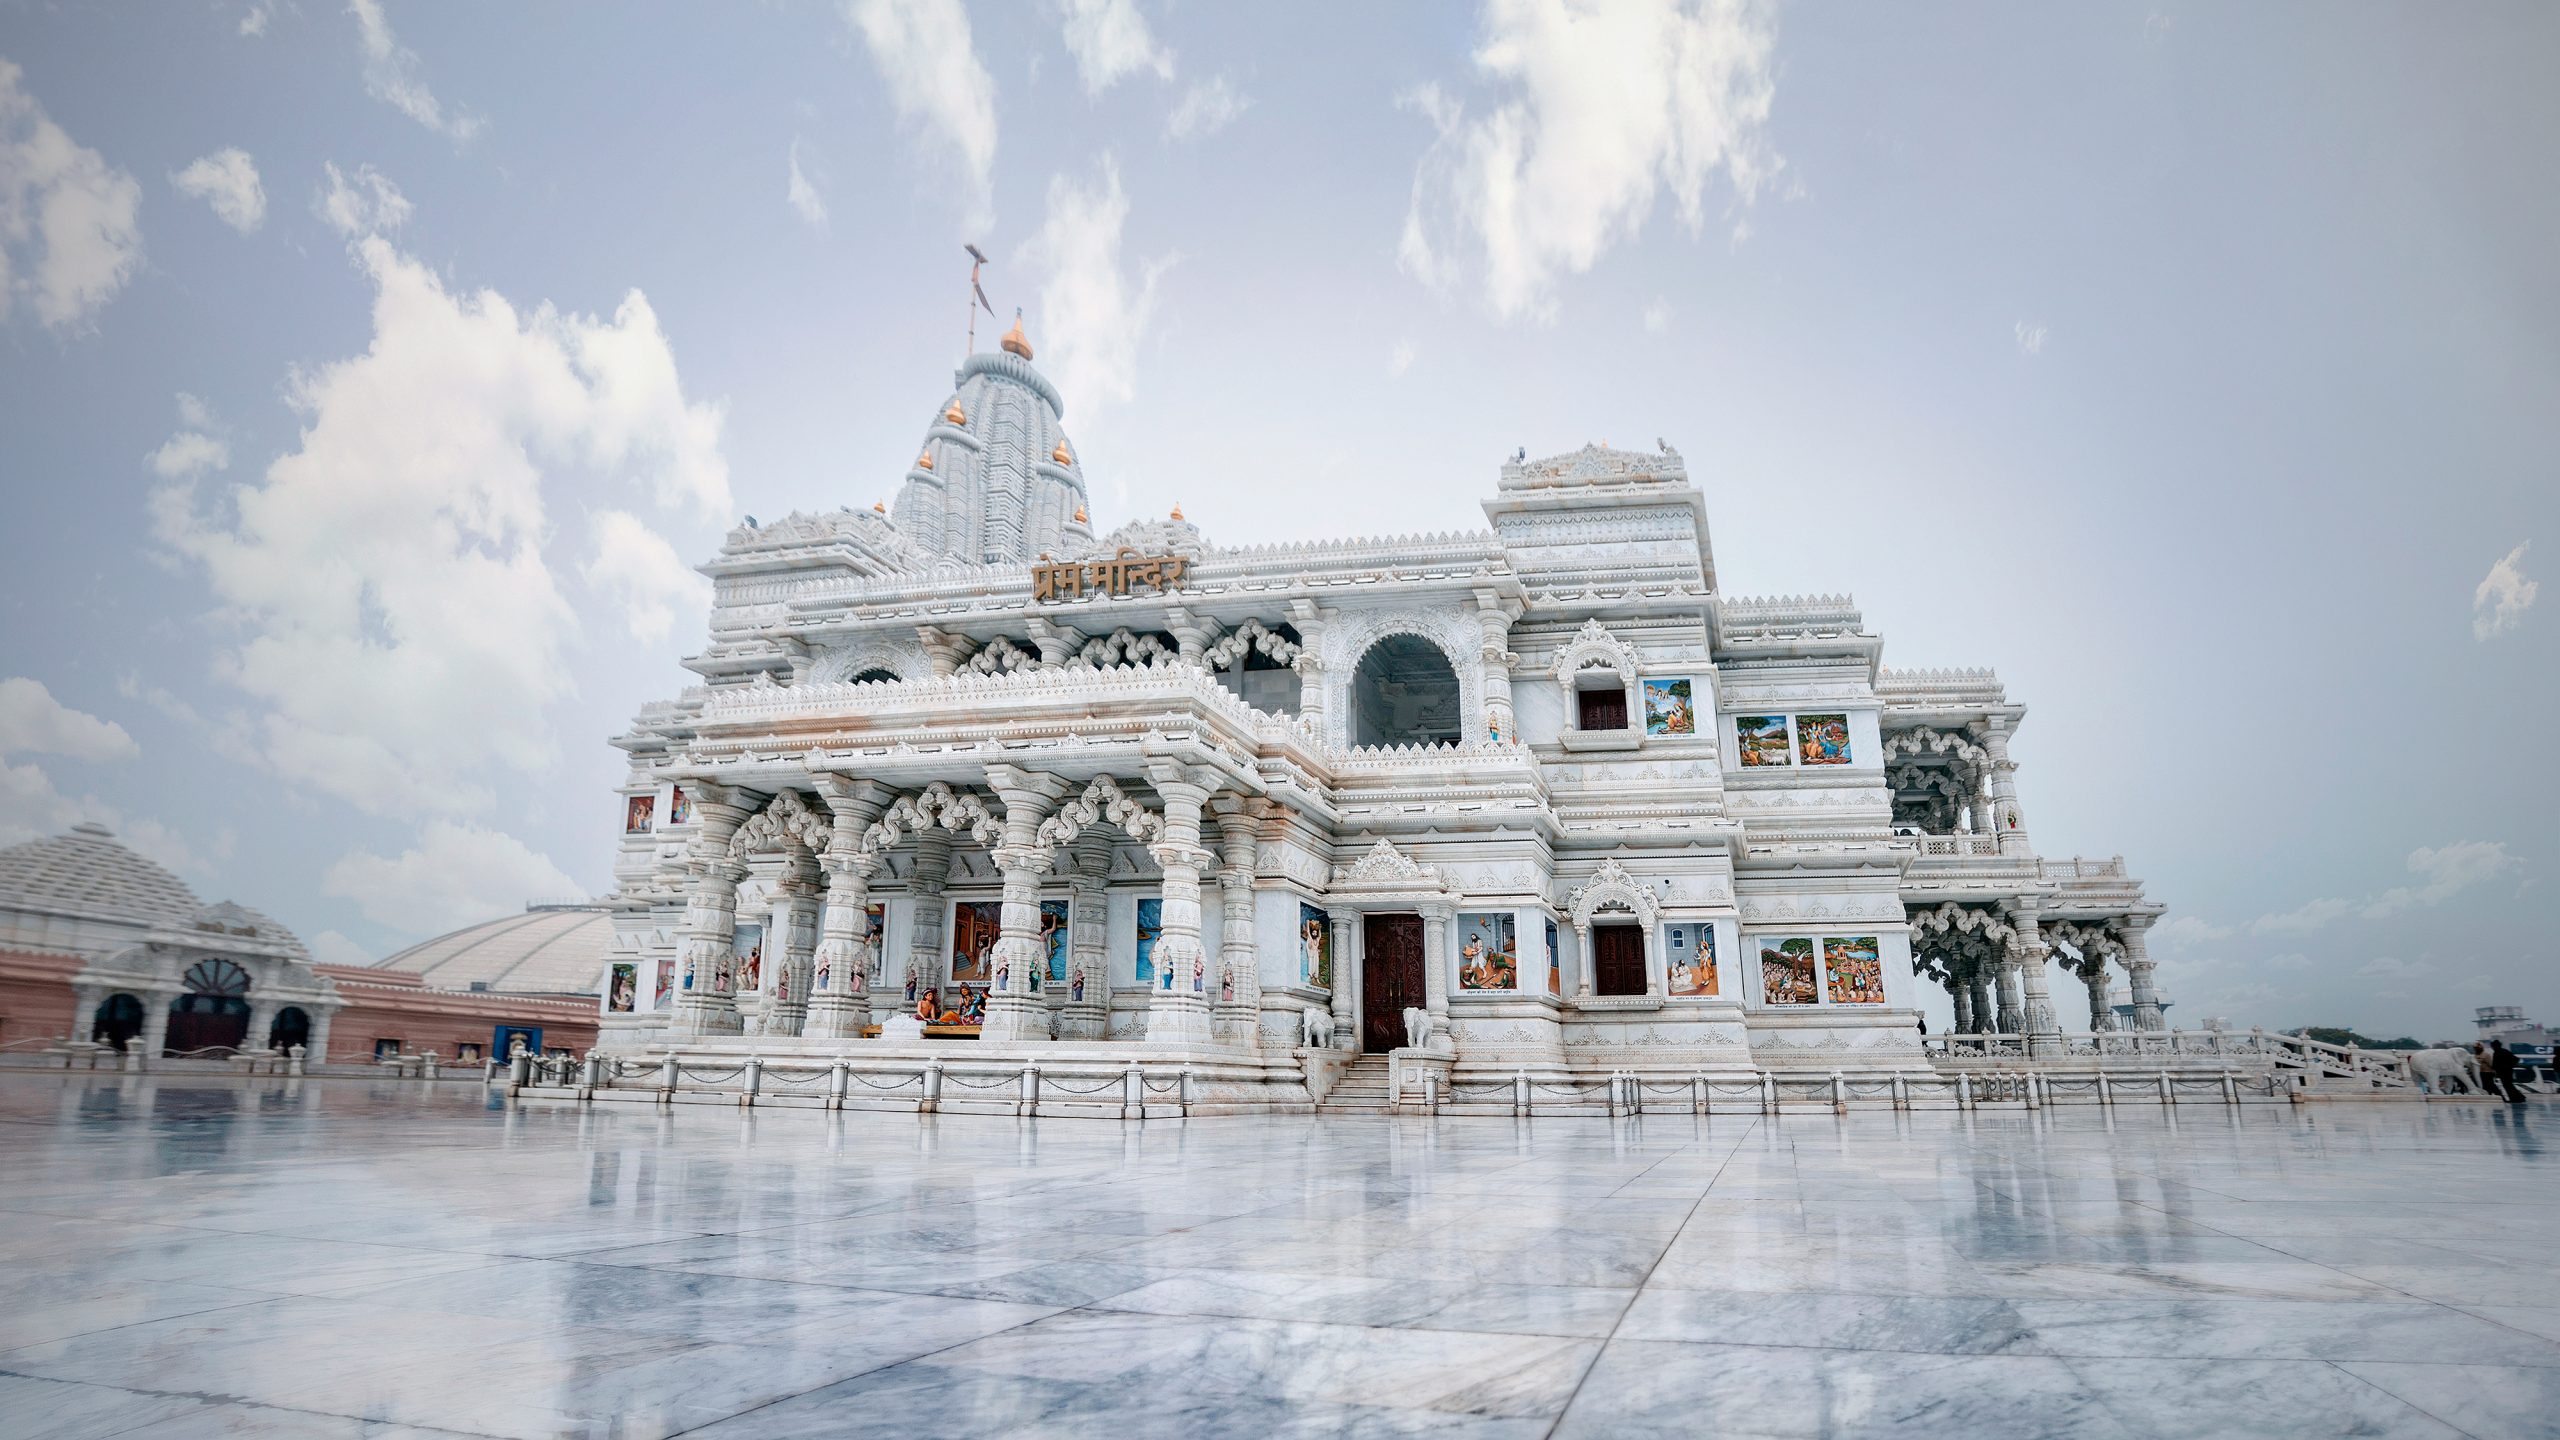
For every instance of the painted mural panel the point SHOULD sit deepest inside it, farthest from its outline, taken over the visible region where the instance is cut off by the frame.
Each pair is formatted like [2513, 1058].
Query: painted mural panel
[1667, 710]
[636, 813]
[679, 807]
[975, 924]
[666, 982]
[1764, 739]
[1488, 950]
[1315, 947]
[1555, 962]
[875, 935]
[1150, 929]
[1053, 937]
[1690, 950]
[1823, 739]
[1857, 972]
[622, 991]
[1786, 972]
[746, 956]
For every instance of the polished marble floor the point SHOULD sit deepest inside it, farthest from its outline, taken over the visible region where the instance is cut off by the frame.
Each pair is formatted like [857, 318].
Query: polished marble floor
[352, 1258]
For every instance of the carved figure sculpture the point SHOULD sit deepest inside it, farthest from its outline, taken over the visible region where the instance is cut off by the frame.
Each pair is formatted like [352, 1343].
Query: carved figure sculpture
[1417, 1026]
[1316, 1028]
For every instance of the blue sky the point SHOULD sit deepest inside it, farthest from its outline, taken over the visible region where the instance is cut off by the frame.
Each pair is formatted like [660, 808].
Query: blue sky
[369, 376]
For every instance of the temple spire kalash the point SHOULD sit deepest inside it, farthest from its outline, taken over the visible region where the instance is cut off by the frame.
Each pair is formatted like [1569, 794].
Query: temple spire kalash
[996, 481]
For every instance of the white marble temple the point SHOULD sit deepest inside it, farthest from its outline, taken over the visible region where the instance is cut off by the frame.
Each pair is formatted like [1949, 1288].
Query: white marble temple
[340, 1258]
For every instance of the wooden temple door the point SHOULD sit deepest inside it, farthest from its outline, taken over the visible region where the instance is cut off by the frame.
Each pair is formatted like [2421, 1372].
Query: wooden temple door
[1390, 978]
[1617, 959]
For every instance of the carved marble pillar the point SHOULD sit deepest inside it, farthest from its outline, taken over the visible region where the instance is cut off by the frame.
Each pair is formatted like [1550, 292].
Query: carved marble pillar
[155, 1023]
[85, 1000]
[1084, 1002]
[262, 1018]
[840, 990]
[1310, 686]
[2008, 821]
[925, 953]
[1178, 1012]
[1190, 637]
[1977, 981]
[1582, 964]
[2102, 1016]
[1239, 1014]
[2137, 969]
[1960, 991]
[1493, 619]
[316, 1049]
[786, 990]
[1015, 1007]
[1344, 982]
[2042, 1028]
[1436, 949]
[2013, 1015]
[707, 979]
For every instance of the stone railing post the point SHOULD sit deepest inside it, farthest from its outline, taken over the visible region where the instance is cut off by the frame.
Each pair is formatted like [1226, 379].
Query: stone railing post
[1178, 1009]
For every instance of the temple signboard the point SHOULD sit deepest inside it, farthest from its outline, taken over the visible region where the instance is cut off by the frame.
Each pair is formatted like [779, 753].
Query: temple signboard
[1126, 569]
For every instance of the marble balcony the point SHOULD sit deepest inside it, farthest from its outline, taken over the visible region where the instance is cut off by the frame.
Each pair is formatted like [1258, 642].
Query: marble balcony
[185, 1257]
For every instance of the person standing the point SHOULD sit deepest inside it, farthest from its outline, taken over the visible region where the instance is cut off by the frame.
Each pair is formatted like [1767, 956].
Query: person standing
[2502, 1071]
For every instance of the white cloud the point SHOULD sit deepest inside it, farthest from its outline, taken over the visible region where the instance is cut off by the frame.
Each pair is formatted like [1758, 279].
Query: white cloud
[1094, 313]
[254, 23]
[923, 51]
[1603, 107]
[366, 203]
[2499, 604]
[1206, 107]
[2443, 872]
[133, 687]
[1400, 359]
[804, 196]
[2030, 338]
[391, 75]
[1657, 316]
[32, 722]
[30, 808]
[331, 948]
[397, 622]
[228, 181]
[1110, 39]
[457, 875]
[68, 237]
[643, 576]
[195, 449]
[2388, 967]
[2180, 932]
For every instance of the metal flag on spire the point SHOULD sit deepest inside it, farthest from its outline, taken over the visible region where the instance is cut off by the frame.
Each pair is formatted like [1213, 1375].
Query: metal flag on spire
[977, 296]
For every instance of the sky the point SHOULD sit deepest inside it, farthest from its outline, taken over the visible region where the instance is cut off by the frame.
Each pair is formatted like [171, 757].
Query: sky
[371, 376]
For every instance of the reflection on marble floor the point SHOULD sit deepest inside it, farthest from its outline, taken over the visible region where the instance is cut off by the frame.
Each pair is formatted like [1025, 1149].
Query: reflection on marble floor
[347, 1259]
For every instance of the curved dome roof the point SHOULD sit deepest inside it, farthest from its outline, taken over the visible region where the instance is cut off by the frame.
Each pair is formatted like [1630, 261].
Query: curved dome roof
[90, 872]
[541, 952]
[997, 480]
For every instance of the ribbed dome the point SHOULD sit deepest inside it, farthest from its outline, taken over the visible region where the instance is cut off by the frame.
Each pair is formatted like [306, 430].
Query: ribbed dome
[1000, 484]
[90, 872]
[541, 952]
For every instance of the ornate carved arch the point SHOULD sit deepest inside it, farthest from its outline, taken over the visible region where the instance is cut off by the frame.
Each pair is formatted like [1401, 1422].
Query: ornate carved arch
[902, 657]
[1952, 919]
[936, 806]
[1254, 636]
[784, 821]
[1124, 647]
[1457, 634]
[1103, 801]
[1922, 740]
[1001, 656]
[1612, 885]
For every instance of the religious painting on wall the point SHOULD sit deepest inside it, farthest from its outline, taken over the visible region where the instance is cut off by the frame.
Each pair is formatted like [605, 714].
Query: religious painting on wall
[636, 813]
[622, 991]
[386, 1049]
[679, 807]
[1690, 951]
[1786, 972]
[1666, 708]
[975, 924]
[1823, 739]
[1488, 950]
[1053, 937]
[875, 937]
[1150, 928]
[1315, 939]
[1857, 972]
[746, 956]
[1555, 962]
[666, 983]
[1764, 739]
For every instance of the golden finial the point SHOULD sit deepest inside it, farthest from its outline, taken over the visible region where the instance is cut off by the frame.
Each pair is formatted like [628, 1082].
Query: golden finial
[879, 508]
[1177, 509]
[1014, 340]
[925, 461]
[1060, 454]
[1080, 517]
[955, 414]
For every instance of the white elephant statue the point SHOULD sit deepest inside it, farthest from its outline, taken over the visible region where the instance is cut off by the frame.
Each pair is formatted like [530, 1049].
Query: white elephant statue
[1316, 1025]
[1417, 1027]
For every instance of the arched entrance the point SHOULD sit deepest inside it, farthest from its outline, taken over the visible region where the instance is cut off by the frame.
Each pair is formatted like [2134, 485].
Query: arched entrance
[214, 1013]
[292, 1027]
[1404, 693]
[118, 1020]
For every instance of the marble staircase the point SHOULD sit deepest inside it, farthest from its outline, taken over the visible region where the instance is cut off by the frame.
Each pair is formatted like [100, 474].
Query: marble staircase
[1362, 1090]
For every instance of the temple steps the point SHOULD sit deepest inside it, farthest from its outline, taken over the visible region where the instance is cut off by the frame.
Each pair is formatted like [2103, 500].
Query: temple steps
[1362, 1090]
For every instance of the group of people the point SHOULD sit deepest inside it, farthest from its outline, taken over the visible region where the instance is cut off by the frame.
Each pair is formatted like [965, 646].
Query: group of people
[2498, 1069]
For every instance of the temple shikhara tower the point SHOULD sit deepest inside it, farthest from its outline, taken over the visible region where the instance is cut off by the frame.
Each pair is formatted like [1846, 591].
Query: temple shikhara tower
[968, 781]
